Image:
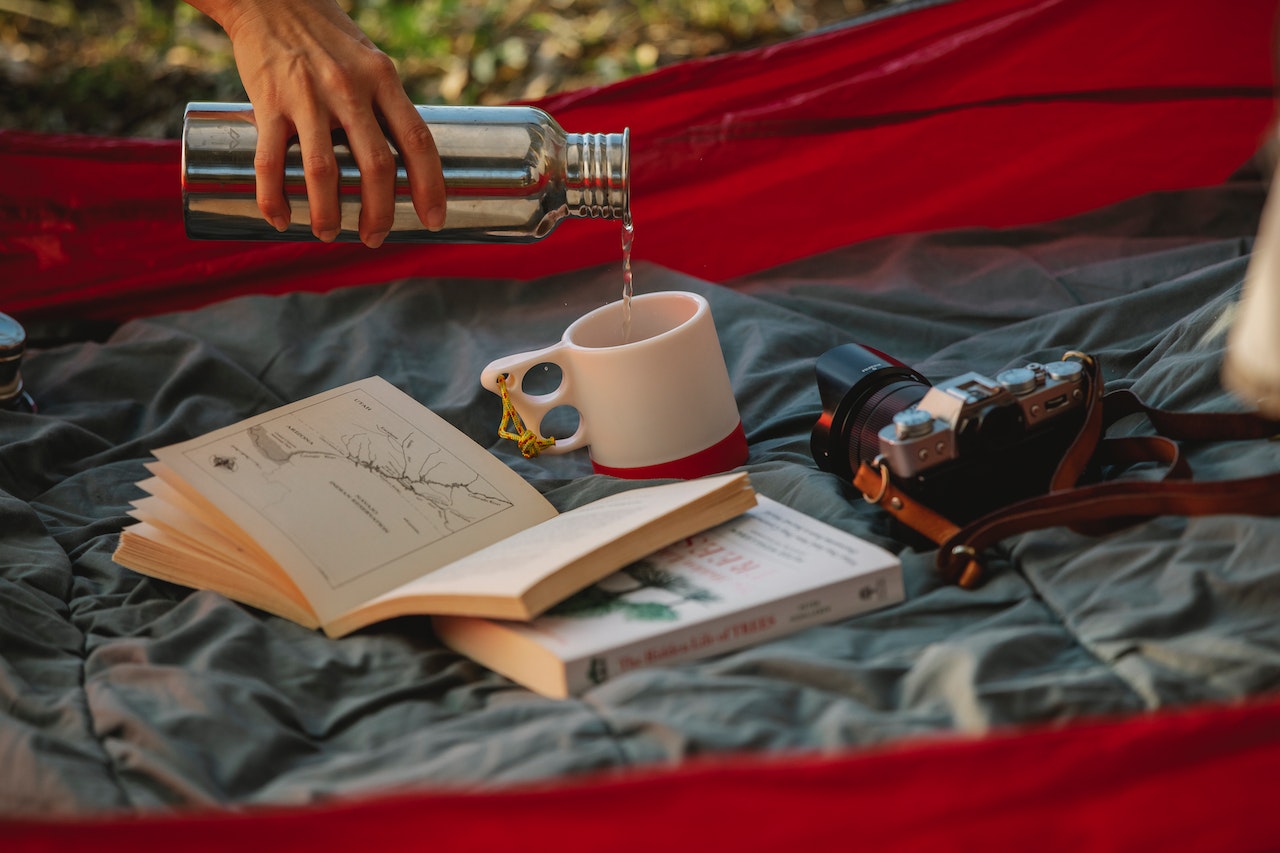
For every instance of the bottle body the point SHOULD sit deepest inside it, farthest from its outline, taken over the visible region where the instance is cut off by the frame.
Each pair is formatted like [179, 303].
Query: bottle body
[511, 176]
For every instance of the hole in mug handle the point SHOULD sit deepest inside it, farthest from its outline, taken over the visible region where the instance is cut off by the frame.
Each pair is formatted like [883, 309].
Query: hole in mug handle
[541, 379]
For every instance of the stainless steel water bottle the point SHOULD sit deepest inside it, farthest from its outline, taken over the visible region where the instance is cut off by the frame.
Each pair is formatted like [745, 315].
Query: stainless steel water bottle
[13, 344]
[511, 175]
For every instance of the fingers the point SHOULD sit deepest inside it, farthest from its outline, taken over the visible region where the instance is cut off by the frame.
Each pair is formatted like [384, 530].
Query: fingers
[377, 164]
[421, 159]
[268, 168]
[308, 69]
[377, 167]
[320, 172]
[375, 159]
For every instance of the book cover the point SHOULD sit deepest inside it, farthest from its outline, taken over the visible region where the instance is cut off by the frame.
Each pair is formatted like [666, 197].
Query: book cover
[767, 573]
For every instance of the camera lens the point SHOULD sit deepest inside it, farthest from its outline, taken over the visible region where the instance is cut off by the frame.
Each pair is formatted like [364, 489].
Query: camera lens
[861, 390]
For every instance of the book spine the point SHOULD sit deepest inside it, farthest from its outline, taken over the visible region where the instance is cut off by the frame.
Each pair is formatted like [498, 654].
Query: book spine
[746, 627]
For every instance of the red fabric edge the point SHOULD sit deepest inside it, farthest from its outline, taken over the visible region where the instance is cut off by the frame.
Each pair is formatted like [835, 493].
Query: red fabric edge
[1195, 780]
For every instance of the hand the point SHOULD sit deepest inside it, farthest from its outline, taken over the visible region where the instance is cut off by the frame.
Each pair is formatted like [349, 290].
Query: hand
[308, 70]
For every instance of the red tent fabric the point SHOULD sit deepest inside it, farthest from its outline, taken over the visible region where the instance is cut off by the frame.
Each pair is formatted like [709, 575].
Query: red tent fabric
[980, 112]
[1189, 781]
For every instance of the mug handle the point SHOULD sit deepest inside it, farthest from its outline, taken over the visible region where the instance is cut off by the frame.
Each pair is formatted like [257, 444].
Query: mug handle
[534, 407]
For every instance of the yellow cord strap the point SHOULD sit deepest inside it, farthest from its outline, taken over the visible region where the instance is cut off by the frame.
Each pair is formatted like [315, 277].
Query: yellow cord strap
[529, 442]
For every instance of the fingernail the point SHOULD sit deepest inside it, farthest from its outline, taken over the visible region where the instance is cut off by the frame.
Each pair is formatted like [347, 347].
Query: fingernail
[435, 218]
[375, 240]
[280, 223]
[328, 236]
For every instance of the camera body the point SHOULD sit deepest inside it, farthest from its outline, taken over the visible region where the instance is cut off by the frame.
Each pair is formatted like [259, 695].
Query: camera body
[962, 447]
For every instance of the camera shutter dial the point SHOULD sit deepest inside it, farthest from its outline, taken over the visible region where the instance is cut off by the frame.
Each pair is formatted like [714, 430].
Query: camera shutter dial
[1070, 371]
[1017, 380]
[912, 423]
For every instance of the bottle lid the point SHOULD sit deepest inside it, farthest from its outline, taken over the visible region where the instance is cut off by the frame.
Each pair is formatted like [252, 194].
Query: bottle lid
[598, 175]
[13, 338]
[13, 343]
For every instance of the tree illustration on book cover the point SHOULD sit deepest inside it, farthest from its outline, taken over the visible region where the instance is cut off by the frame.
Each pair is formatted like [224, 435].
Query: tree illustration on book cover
[642, 592]
[630, 592]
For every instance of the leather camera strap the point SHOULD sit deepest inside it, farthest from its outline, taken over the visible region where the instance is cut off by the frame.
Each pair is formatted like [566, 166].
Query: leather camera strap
[1103, 506]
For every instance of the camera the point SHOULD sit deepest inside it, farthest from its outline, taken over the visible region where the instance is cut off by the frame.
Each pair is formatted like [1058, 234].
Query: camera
[962, 447]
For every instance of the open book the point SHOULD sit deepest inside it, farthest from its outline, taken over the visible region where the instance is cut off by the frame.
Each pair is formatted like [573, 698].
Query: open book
[770, 572]
[360, 504]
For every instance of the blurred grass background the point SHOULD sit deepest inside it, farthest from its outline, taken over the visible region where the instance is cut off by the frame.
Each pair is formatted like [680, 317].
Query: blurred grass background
[127, 67]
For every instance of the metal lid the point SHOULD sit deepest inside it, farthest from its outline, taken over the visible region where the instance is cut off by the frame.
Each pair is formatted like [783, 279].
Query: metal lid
[13, 338]
[13, 342]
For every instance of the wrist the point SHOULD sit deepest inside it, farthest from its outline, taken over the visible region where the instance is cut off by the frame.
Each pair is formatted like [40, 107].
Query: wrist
[227, 13]
[215, 9]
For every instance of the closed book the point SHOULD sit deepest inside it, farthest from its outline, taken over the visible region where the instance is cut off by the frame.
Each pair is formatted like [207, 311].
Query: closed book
[770, 572]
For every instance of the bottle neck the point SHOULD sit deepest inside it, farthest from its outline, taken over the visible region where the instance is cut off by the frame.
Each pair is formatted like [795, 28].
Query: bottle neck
[10, 378]
[598, 175]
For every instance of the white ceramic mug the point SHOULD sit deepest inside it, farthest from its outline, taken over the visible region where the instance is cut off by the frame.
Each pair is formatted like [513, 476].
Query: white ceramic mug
[658, 404]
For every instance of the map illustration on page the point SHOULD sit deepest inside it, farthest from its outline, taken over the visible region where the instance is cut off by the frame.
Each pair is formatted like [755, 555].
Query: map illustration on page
[345, 452]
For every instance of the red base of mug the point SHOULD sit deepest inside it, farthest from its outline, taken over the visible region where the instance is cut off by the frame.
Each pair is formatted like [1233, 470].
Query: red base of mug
[729, 452]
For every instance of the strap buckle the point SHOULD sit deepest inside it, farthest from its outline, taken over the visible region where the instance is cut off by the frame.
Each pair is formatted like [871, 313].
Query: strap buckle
[884, 481]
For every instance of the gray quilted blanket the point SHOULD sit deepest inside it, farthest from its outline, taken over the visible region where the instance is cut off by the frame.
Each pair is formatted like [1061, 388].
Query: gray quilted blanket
[118, 692]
